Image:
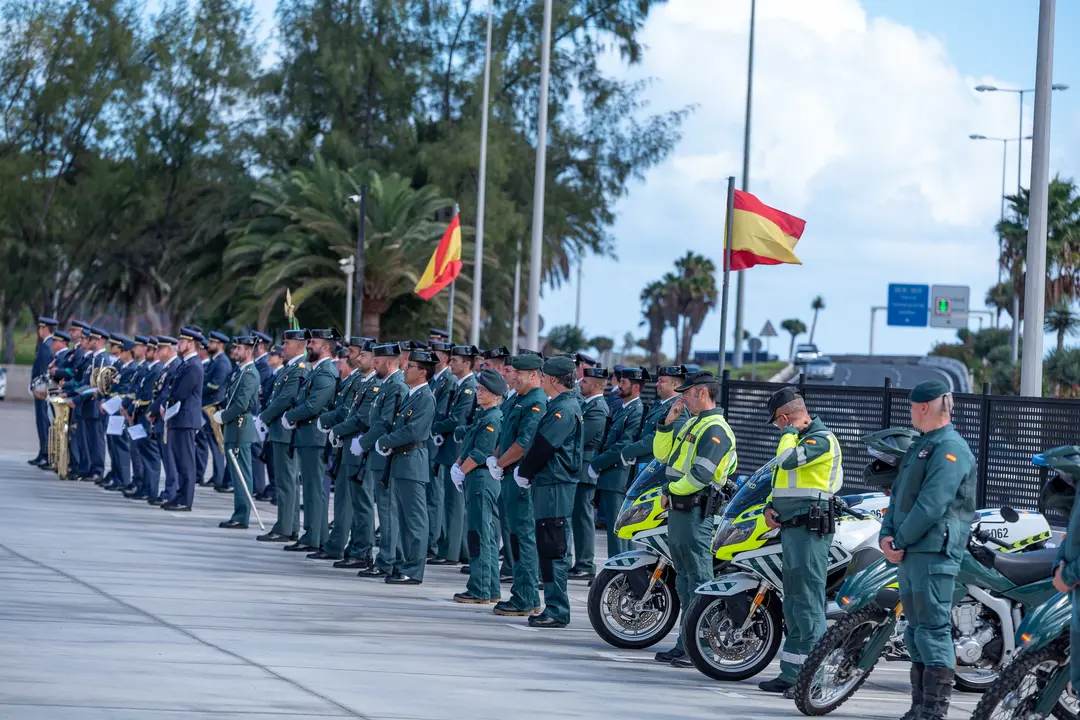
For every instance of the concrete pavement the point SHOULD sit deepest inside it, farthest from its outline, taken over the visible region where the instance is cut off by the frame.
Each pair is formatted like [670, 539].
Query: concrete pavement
[871, 374]
[113, 609]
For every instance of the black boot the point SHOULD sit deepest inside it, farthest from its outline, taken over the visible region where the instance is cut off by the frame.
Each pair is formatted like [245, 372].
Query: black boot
[937, 690]
[917, 670]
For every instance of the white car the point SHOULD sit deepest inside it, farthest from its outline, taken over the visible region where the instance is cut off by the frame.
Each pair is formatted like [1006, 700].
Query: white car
[805, 353]
[3, 383]
[820, 368]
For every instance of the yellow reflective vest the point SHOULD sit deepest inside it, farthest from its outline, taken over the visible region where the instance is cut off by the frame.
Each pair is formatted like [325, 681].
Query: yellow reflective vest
[702, 452]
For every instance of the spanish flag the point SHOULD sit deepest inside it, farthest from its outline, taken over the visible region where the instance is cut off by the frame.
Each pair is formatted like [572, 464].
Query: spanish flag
[761, 235]
[444, 265]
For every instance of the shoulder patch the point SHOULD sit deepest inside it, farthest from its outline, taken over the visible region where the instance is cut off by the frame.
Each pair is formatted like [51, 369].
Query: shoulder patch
[715, 439]
[466, 391]
[558, 415]
[811, 441]
[950, 457]
[536, 408]
[489, 428]
[302, 365]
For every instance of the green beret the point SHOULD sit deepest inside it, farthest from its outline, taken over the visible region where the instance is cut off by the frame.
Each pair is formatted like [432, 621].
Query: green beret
[929, 390]
[492, 380]
[527, 361]
[559, 366]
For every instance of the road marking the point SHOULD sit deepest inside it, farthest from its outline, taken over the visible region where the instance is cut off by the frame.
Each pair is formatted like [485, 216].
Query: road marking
[617, 658]
[730, 694]
[523, 628]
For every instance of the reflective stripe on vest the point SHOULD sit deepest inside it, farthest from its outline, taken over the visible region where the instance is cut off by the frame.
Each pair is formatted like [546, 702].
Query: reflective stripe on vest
[684, 455]
[819, 480]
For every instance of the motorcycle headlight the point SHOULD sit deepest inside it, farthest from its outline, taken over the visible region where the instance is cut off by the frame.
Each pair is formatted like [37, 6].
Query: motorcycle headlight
[633, 515]
[730, 533]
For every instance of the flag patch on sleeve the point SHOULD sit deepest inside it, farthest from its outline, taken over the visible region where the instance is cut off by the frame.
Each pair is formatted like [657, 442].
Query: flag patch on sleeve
[558, 415]
[950, 457]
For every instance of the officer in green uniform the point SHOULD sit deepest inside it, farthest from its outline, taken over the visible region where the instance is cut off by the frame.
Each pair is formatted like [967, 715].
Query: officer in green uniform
[405, 448]
[608, 468]
[1059, 493]
[639, 454]
[241, 400]
[315, 396]
[283, 396]
[696, 456]
[517, 433]
[389, 396]
[583, 521]
[442, 387]
[498, 359]
[925, 530]
[550, 468]
[808, 473]
[348, 388]
[459, 413]
[472, 477]
[359, 538]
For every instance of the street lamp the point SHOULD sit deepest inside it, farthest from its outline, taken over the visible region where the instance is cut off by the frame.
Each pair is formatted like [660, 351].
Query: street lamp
[1021, 93]
[358, 268]
[348, 266]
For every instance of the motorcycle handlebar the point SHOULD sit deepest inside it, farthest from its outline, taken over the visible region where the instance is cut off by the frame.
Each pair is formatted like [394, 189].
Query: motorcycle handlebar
[986, 537]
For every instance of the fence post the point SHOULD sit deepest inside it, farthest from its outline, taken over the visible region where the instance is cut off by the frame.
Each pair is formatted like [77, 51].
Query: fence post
[984, 446]
[886, 405]
[725, 391]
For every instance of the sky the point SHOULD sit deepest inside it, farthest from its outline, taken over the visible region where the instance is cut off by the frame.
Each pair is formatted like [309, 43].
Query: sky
[860, 121]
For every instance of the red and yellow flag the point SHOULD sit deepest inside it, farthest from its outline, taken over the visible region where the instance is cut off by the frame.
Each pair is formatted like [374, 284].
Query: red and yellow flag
[761, 235]
[444, 265]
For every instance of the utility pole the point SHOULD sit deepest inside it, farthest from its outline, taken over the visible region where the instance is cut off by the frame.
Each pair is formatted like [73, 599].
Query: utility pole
[358, 278]
[577, 310]
[536, 255]
[478, 266]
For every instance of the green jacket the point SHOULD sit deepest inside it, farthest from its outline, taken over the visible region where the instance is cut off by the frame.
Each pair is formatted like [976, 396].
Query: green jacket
[241, 400]
[387, 401]
[356, 416]
[314, 397]
[625, 429]
[442, 387]
[461, 408]
[519, 425]
[555, 455]
[933, 498]
[481, 438]
[408, 437]
[283, 396]
[343, 399]
[1069, 550]
[594, 418]
[641, 451]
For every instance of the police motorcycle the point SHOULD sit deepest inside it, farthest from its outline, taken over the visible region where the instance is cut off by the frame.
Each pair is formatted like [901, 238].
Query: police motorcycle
[733, 628]
[1036, 683]
[994, 589]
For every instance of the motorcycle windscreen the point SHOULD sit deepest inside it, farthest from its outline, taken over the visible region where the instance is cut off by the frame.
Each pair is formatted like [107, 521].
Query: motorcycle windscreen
[649, 479]
[754, 491]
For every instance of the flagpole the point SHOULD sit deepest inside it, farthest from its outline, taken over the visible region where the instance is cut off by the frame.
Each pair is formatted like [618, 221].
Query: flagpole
[727, 275]
[450, 310]
[517, 301]
[536, 251]
[740, 292]
[478, 267]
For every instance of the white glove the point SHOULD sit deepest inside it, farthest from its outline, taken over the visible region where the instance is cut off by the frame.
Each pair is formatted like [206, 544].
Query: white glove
[438, 440]
[318, 425]
[335, 441]
[379, 449]
[497, 472]
[217, 417]
[522, 483]
[260, 426]
[623, 462]
[593, 474]
[457, 477]
[354, 447]
[286, 424]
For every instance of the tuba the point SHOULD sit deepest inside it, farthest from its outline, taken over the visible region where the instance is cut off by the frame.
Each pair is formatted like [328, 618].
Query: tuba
[59, 440]
[104, 378]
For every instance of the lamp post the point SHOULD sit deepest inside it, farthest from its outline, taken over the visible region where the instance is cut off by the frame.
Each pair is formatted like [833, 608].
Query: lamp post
[358, 296]
[1020, 94]
[348, 266]
[536, 251]
[478, 263]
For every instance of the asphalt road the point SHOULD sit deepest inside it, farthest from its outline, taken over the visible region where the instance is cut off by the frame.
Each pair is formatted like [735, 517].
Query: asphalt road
[113, 609]
[864, 374]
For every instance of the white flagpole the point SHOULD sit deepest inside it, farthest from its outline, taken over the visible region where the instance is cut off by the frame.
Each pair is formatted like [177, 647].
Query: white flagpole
[478, 267]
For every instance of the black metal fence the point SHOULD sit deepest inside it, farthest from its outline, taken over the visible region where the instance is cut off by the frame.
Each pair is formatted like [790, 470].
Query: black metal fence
[1003, 431]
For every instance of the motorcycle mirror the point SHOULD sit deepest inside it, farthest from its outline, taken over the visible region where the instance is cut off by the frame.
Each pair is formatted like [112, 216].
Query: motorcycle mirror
[1009, 515]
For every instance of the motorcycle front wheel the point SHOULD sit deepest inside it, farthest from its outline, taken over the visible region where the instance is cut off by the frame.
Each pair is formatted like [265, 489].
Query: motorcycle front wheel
[725, 652]
[617, 617]
[830, 676]
[1017, 691]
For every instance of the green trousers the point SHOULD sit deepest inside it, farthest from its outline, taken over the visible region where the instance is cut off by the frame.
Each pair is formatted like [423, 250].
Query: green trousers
[362, 494]
[316, 521]
[927, 581]
[410, 519]
[389, 545]
[452, 545]
[551, 502]
[583, 522]
[435, 494]
[507, 569]
[689, 539]
[241, 506]
[288, 500]
[343, 513]
[525, 592]
[481, 495]
[805, 564]
[611, 502]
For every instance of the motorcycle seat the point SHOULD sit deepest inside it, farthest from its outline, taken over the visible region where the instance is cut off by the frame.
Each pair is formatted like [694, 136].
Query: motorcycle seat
[1026, 568]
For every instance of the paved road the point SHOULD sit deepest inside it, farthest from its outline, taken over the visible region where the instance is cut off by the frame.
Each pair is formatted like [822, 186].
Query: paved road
[112, 609]
[874, 374]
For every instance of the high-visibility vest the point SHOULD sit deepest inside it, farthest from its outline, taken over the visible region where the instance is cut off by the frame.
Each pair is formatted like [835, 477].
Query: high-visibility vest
[679, 451]
[821, 477]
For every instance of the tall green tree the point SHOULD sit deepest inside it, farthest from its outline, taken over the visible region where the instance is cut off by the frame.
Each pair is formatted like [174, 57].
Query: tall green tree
[796, 328]
[1063, 320]
[652, 310]
[817, 305]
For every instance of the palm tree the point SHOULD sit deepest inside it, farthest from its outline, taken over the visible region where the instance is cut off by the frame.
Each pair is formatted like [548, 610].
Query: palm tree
[796, 327]
[999, 299]
[1063, 371]
[817, 305]
[652, 309]
[698, 296]
[1063, 320]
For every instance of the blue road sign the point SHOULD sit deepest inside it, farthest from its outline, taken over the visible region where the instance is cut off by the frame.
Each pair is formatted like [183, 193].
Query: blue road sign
[909, 305]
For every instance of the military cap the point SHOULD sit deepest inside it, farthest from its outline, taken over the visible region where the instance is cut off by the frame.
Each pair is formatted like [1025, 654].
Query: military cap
[99, 333]
[635, 374]
[245, 340]
[276, 350]
[219, 336]
[492, 380]
[439, 333]
[419, 345]
[141, 340]
[596, 372]
[296, 334]
[80, 324]
[190, 333]
[699, 378]
[465, 351]
[671, 371]
[322, 334]
[527, 361]
[66, 337]
[342, 352]
[359, 341]
[166, 340]
[262, 337]
[45, 321]
[559, 366]
[779, 399]
[422, 356]
[151, 341]
[586, 359]
[386, 350]
[537, 353]
[496, 353]
[441, 346]
[116, 339]
[197, 329]
[929, 390]
[126, 343]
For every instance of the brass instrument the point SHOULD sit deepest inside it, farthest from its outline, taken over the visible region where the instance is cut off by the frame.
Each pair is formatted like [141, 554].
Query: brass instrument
[103, 379]
[39, 387]
[219, 432]
[59, 455]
